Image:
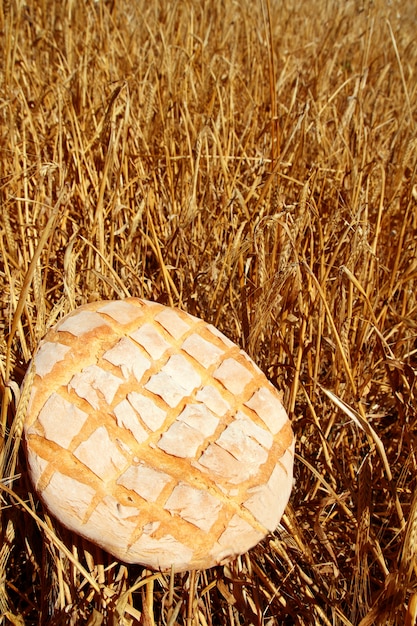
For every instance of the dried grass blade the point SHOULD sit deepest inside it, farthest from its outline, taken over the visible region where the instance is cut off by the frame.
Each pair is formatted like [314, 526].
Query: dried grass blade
[327, 485]
[400, 67]
[334, 329]
[411, 615]
[372, 435]
[22, 300]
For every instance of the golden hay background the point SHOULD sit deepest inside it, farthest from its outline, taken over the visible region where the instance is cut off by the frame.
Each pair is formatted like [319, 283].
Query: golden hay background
[253, 163]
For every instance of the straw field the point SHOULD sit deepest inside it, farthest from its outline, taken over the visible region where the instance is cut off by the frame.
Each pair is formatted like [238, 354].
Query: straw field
[253, 163]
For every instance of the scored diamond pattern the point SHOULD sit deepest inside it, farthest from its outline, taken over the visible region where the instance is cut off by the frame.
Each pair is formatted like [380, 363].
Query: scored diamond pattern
[164, 430]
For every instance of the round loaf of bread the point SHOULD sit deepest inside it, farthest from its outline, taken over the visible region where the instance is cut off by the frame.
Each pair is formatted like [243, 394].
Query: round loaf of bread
[151, 434]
